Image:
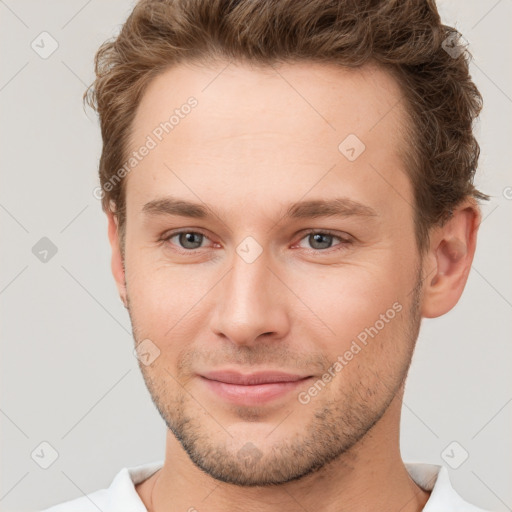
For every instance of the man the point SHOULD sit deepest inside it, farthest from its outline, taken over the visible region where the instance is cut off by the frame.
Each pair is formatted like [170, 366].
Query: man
[288, 187]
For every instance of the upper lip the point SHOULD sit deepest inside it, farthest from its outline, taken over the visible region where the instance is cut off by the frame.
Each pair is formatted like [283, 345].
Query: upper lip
[264, 377]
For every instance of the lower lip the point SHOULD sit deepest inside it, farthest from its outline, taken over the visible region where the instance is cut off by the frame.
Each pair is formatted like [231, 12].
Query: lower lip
[252, 394]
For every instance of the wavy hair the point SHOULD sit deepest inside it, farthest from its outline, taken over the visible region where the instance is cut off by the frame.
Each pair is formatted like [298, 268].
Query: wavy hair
[405, 37]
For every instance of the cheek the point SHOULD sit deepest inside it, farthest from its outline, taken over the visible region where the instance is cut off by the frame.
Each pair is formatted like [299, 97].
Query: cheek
[162, 296]
[369, 339]
[366, 309]
[349, 299]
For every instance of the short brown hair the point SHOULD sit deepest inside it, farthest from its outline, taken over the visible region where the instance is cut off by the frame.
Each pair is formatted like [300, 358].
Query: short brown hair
[405, 37]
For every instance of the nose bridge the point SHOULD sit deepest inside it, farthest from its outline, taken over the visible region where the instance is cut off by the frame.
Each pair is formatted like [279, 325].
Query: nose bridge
[249, 303]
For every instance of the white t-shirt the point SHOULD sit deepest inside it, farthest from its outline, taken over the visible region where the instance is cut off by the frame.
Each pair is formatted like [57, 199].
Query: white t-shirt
[121, 496]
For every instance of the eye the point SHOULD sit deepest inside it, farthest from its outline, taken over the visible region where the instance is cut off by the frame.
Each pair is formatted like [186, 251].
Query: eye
[187, 240]
[319, 241]
[323, 240]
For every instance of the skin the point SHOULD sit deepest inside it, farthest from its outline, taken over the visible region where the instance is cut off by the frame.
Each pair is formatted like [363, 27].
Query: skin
[258, 140]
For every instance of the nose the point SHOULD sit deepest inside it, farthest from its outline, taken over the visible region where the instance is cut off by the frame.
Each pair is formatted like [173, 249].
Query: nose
[250, 303]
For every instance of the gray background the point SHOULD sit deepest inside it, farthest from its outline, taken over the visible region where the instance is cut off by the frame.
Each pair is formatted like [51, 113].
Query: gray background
[68, 375]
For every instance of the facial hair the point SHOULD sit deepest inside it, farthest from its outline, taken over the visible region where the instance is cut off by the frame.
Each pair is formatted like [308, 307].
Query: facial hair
[332, 430]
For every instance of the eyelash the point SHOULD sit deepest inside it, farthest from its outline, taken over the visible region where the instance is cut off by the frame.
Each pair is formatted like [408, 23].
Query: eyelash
[343, 245]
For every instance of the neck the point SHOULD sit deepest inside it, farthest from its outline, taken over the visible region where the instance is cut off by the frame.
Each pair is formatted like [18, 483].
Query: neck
[370, 476]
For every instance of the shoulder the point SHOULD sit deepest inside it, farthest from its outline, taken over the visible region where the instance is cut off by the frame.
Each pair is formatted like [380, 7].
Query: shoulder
[90, 503]
[120, 496]
[443, 496]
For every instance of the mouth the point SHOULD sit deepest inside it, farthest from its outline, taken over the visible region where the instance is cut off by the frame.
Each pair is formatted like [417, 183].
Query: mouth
[254, 388]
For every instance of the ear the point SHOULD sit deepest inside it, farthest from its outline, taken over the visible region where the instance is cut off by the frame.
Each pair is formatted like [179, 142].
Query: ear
[117, 260]
[448, 262]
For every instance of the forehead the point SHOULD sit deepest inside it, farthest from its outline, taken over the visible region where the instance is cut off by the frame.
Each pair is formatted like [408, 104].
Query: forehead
[325, 97]
[266, 128]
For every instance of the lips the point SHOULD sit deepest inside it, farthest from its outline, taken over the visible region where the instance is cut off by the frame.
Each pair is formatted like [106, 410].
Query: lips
[251, 389]
[231, 377]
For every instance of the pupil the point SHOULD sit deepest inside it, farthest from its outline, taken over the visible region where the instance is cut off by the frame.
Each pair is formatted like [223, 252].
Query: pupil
[317, 237]
[188, 238]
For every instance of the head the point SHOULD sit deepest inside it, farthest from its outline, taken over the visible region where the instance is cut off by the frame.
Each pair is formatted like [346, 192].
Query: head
[289, 186]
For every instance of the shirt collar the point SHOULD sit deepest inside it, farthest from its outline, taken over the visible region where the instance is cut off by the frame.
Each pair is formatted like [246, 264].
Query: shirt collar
[430, 477]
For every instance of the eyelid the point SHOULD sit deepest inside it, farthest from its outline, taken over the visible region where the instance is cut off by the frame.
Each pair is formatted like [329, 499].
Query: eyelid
[341, 235]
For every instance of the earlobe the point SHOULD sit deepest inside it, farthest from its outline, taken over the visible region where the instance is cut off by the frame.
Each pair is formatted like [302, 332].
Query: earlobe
[452, 248]
[117, 264]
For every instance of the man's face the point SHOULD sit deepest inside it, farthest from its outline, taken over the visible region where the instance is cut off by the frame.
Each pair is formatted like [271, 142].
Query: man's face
[250, 288]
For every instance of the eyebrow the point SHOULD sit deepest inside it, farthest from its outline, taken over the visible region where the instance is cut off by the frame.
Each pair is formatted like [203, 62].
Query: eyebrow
[337, 207]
